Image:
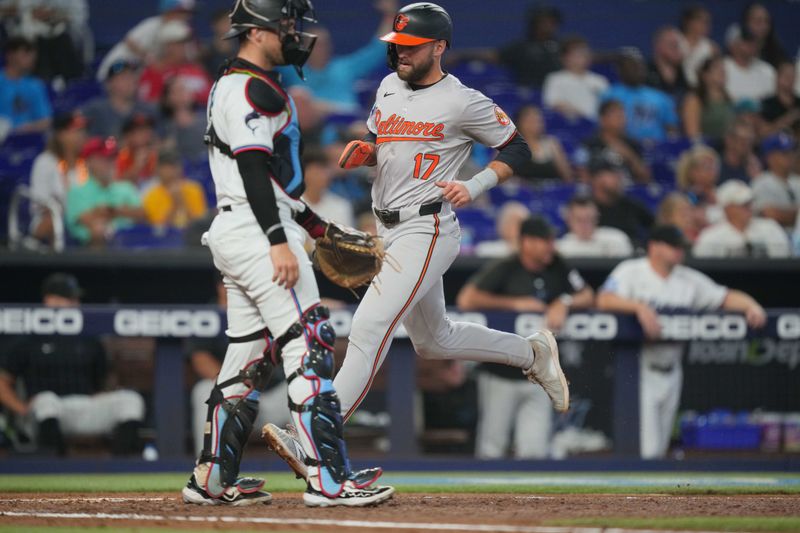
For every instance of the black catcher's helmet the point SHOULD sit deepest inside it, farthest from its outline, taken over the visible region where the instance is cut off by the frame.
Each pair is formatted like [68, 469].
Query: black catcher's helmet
[277, 15]
[417, 24]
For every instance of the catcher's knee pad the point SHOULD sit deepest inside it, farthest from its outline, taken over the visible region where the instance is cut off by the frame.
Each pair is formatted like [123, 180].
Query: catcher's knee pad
[315, 404]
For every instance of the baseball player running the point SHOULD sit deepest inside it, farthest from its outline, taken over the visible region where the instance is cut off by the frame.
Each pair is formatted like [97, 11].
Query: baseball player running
[273, 302]
[421, 129]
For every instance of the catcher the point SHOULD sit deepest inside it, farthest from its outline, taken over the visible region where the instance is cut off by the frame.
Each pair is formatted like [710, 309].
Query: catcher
[274, 316]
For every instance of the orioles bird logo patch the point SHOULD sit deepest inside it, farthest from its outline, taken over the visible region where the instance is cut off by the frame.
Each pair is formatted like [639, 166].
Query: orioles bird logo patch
[400, 22]
[502, 118]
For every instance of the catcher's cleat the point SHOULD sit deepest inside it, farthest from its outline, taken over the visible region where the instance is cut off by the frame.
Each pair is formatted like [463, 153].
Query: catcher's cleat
[546, 369]
[285, 443]
[351, 496]
[246, 491]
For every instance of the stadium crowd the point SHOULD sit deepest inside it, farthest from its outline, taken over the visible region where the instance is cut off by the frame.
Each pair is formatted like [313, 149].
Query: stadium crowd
[702, 136]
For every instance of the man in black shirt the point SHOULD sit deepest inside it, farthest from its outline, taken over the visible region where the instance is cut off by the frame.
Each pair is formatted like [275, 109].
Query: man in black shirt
[616, 209]
[535, 280]
[64, 377]
[782, 110]
[532, 59]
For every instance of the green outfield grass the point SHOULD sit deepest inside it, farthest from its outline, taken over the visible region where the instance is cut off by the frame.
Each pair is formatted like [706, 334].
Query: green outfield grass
[708, 523]
[460, 482]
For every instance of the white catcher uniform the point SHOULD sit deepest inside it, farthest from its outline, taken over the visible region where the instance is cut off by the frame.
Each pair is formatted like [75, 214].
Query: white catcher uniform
[660, 370]
[423, 136]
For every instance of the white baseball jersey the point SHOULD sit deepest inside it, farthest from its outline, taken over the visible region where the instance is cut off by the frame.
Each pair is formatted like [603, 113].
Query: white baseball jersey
[661, 376]
[425, 136]
[241, 126]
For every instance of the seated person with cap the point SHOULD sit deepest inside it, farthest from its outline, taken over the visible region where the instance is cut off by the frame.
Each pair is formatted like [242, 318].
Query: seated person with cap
[174, 201]
[64, 377]
[776, 192]
[534, 280]
[101, 205]
[740, 234]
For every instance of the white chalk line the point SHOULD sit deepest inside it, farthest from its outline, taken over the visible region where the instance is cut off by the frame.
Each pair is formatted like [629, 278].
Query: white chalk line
[105, 499]
[427, 526]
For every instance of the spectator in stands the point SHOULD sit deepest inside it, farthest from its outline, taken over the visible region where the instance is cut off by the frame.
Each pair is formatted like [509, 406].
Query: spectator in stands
[547, 155]
[183, 121]
[65, 379]
[740, 234]
[58, 27]
[101, 205]
[205, 358]
[611, 142]
[707, 111]
[782, 111]
[174, 201]
[23, 98]
[676, 210]
[739, 160]
[776, 192]
[697, 46]
[616, 209]
[533, 58]
[56, 170]
[697, 177]
[509, 220]
[218, 48]
[329, 79]
[138, 154]
[758, 21]
[107, 114]
[142, 43]
[645, 286]
[535, 280]
[665, 70]
[650, 113]
[747, 77]
[575, 91]
[175, 58]
[318, 172]
[585, 238]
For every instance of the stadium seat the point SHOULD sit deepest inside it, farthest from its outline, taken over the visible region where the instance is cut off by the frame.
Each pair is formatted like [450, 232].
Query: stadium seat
[143, 236]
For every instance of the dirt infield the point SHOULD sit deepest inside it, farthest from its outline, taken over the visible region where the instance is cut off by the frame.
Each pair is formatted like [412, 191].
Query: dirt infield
[409, 512]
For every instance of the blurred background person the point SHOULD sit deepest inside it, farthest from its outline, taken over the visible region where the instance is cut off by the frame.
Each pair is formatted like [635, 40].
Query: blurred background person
[738, 159]
[782, 110]
[66, 384]
[534, 280]
[776, 191]
[612, 139]
[531, 59]
[695, 24]
[697, 177]
[142, 43]
[665, 69]
[183, 120]
[101, 205]
[757, 20]
[574, 91]
[56, 170]
[548, 159]
[616, 209]
[643, 287]
[747, 77]
[677, 210]
[317, 172]
[509, 221]
[650, 113]
[707, 111]
[585, 238]
[107, 113]
[217, 49]
[138, 150]
[24, 101]
[740, 234]
[174, 200]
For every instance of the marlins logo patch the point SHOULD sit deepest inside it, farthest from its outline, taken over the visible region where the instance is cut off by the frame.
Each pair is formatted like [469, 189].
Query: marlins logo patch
[502, 118]
[400, 22]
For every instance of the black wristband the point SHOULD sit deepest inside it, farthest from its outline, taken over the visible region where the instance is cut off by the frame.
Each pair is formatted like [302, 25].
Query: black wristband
[276, 235]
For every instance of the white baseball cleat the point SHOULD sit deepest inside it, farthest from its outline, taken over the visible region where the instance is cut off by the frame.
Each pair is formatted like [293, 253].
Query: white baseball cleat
[246, 491]
[351, 496]
[546, 369]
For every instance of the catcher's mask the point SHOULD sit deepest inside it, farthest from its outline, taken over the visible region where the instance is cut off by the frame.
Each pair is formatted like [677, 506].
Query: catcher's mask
[284, 17]
[417, 24]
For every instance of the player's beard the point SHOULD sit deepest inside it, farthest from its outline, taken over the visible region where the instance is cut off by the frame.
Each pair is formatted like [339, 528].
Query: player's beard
[418, 72]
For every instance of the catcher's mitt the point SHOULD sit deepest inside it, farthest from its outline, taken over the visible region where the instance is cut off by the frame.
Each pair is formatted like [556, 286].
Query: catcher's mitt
[348, 257]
